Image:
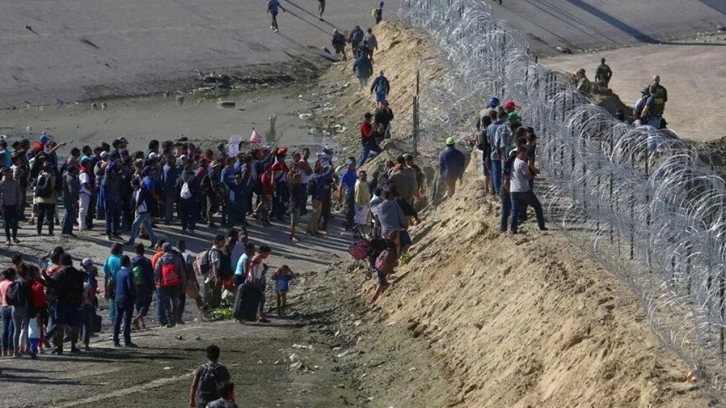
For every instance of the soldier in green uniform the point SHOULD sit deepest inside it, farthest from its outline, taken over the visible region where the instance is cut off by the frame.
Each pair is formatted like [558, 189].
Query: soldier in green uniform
[603, 74]
[660, 97]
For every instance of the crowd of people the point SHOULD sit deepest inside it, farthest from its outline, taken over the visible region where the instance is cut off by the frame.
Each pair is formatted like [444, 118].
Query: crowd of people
[508, 153]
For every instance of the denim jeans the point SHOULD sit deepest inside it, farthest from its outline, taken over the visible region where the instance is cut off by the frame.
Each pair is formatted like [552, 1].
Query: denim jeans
[124, 313]
[160, 309]
[21, 318]
[6, 342]
[169, 203]
[113, 216]
[496, 174]
[526, 198]
[349, 210]
[10, 218]
[142, 219]
[189, 213]
[86, 323]
[69, 217]
[366, 152]
[506, 211]
[170, 298]
[46, 212]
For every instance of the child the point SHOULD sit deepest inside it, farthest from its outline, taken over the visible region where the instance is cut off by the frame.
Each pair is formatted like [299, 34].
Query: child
[268, 189]
[386, 262]
[298, 199]
[282, 278]
[34, 335]
[39, 309]
[206, 379]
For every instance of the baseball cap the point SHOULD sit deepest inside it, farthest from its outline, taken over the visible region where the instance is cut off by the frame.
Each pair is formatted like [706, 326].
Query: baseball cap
[104, 154]
[450, 141]
[281, 150]
[510, 105]
[514, 116]
[408, 156]
[87, 262]
[349, 162]
[183, 156]
[44, 137]
[166, 247]
[153, 156]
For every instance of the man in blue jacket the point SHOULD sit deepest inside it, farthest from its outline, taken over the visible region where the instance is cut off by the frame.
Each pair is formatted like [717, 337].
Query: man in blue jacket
[451, 166]
[126, 294]
[363, 69]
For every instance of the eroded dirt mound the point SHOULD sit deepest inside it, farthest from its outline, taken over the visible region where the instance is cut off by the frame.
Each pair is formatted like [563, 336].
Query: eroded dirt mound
[515, 321]
[528, 320]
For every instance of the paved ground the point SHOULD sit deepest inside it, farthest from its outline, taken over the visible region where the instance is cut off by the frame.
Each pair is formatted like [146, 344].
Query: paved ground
[78, 48]
[694, 87]
[597, 24]
[75, 49]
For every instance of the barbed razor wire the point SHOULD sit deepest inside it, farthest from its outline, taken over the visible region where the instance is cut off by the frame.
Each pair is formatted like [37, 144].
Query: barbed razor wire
[637, 199]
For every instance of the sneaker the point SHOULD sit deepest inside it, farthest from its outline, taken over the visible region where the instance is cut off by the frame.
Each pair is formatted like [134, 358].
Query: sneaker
[9, 243]
[263, 320]
[17, 354]
[17, 241]
[170, 325]
[75, 350]
[180, 322]
[33, 356]
[57, 351]
[130, 345]
[117, 344]
[544, 229]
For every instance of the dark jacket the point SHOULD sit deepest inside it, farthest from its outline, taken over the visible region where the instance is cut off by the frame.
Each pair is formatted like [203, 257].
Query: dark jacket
[451, 163]
[362, 67]
[125, 287]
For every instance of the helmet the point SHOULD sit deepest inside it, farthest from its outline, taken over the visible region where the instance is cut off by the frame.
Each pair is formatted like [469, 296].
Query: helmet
[493, 102]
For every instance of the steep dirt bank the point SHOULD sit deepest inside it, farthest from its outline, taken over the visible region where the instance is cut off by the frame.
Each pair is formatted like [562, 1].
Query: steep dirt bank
[519, 321]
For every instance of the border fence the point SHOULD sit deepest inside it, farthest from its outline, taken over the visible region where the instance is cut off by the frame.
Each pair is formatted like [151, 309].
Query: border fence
[638, 200]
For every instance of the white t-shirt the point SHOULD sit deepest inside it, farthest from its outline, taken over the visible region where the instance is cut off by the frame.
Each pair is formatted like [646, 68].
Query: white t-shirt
[84, 178]
[518, 182]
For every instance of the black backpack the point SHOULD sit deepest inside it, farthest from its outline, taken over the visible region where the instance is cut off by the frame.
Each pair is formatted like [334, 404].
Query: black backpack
[18, 293]
[482, 143]
[44, 187]
[209, 381]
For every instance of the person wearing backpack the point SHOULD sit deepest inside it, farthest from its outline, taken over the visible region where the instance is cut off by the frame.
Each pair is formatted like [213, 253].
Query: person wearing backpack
[377, 13]
[482, 144]
[45, 195]
[381, 87]
[188, 185]
[126, 294]
[226, 391]
[355, 38]
[18, 296]
[144, 279]
[68, 286]
[207, 378]
[386, 262]
[168, 278]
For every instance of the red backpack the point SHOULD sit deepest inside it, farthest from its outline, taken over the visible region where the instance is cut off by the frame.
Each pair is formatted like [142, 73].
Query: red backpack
[169, 275]
[359, 249]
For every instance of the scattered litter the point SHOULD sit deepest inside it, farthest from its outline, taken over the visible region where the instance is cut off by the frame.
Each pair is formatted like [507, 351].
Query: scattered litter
[362, 376]
[305, 116]
[302, 346]
[390, 324]
[226, 104]
[294, 357]
[357, 323]
[412, 369]
[259, 361]
[347, 353]
[179, 337]
[167, 368]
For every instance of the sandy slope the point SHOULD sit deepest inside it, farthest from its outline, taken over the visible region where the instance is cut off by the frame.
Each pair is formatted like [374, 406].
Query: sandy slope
[516, 321]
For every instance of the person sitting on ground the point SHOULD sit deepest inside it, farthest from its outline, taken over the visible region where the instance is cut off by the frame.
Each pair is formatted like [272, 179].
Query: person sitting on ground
[226, 393]
[583, 84]
[282, 278]
[205, 384]
[451, 166]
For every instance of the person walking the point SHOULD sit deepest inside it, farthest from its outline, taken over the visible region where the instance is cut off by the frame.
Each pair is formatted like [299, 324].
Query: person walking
[321, 9]
[451, 166]
[10, 204]
[338, 43]
[355, 38]
[126, 294]
[141, 200]
[377, 13]
[273, 7]
[363, 69]
[381, 87]
[111, 182]
[204, 387]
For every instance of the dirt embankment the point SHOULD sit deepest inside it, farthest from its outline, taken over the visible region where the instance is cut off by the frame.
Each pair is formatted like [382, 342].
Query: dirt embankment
[513, 321]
